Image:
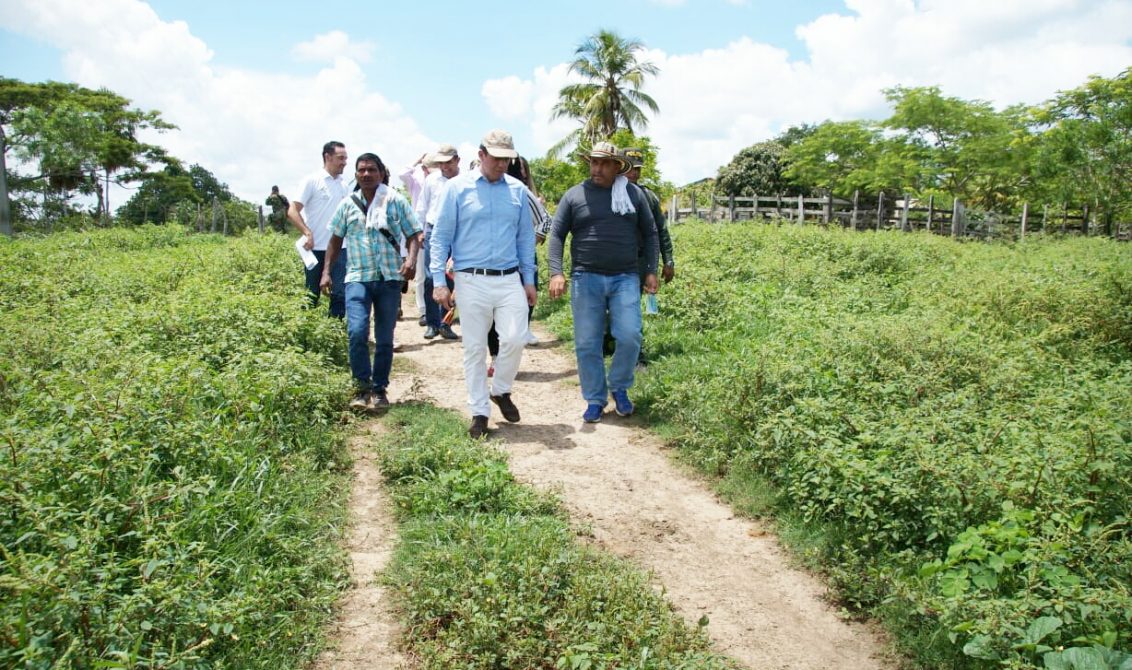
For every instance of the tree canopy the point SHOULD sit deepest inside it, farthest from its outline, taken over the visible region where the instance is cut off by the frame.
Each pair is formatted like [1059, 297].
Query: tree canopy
[76, 139]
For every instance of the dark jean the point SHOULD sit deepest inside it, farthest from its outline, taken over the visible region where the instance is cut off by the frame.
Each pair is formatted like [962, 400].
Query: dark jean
[432, 308]
[595, 298]
[337, 282]
[381, 298]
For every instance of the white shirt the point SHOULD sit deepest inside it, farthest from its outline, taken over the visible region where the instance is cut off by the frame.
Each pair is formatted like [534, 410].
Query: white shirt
[413, 178]
[427, 205]
[319, 195]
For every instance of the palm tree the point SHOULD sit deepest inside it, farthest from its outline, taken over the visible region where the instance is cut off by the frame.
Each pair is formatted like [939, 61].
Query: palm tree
[611, 98]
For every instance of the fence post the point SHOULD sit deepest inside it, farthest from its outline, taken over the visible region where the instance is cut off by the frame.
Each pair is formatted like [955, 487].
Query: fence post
[1025, 218]
[955, 218]
[880, 208]
[259, 214]
[827, 210]
[853, 216]
[931, 214]
[755, 206]
[801, 210]
[731, 208]
[695, 210]
[904, 215]
[673, 212]
[1085, 220]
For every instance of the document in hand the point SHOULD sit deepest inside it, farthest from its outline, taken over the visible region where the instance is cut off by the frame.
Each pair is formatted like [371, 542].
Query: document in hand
[309, 259]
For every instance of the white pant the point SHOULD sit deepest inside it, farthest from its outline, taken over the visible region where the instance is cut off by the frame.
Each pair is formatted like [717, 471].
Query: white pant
[419, 281]
[482, 299]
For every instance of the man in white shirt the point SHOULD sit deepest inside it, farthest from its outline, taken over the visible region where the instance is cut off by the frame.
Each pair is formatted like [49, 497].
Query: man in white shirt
[310, 212]
[446, 165]
[413, 178]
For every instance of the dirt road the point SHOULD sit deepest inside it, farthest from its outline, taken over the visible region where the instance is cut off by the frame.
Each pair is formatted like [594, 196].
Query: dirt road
[615, 478]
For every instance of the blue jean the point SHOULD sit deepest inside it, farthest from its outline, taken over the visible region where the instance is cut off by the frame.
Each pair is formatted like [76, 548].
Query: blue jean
[591, 297]
[337, 282]
[382, 298]
[431, 308]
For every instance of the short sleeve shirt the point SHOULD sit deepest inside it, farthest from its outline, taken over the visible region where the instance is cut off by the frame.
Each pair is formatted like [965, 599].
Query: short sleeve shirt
[372, 257]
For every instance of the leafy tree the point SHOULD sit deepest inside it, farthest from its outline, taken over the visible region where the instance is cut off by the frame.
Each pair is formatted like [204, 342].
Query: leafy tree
[1085, 152]
[963, 147]
[78, 138]
[839, 156]
[758, 169]
[553, 177]
[160, 193]
[611, 96]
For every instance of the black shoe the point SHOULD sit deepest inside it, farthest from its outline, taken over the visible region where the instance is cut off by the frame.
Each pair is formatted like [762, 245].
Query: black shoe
[379, 400]
[447, 333]
[422, 322]
[360, 400]
[430, 333]
[478, 428]
[510, 411]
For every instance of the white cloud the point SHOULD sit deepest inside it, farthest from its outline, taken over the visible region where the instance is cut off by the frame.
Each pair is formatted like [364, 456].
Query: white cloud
[278, 122]
[329, 46]
[508, 98]
[717, 101]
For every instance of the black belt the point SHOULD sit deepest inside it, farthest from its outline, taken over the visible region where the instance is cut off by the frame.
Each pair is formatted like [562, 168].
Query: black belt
[489, 272]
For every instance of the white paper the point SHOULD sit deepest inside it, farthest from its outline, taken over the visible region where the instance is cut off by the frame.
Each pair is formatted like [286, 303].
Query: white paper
[308, 257]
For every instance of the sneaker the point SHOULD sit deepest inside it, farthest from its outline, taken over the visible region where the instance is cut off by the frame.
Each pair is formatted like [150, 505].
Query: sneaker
[360, 400]
[593, 413]
[478, 428]
[379, 400]
[532, 340]
[447, 333]
[622, 405]
[430, 333]
[423, 321]
[397, 346]
[508, 408]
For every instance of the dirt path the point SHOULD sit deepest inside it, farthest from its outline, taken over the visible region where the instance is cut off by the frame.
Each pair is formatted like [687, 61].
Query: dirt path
[614, 477]
[366, 630]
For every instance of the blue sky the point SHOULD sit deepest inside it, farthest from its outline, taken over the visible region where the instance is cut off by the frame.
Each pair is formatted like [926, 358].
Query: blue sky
[256, 88]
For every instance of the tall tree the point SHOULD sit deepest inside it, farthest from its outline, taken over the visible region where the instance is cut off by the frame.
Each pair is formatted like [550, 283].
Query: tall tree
[78, 138]
[1085, 153]
[611, 96]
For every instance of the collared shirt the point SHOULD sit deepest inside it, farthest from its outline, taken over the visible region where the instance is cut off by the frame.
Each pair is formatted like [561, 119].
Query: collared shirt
[427, 206]
[319, 195]
[483, 225]
[372, 257]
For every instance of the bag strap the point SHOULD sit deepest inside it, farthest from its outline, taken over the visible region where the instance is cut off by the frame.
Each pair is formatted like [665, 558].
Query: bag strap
[388, 235]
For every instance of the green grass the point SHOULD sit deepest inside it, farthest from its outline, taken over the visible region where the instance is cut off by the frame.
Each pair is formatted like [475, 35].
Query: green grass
[945, 428]
[491, 575]
[172, 475]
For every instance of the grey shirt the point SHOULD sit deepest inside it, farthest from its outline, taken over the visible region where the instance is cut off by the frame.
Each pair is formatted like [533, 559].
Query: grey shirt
[601, 241]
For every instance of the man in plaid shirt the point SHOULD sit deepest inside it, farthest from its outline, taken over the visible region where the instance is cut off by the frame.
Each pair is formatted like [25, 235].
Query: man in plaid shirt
[374, 221]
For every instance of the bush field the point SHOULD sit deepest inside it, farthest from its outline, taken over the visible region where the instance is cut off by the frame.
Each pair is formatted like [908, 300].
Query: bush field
[945, 428]
[172, 478]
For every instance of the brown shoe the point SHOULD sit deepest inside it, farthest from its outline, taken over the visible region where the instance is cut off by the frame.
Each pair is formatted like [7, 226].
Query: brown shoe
[478, 428]
[510, 411]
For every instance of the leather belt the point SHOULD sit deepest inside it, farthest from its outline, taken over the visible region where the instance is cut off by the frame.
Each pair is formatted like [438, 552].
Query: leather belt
[490, 273]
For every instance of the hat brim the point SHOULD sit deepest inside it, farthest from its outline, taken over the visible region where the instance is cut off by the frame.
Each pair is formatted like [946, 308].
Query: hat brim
[498, 152]
[622, 164]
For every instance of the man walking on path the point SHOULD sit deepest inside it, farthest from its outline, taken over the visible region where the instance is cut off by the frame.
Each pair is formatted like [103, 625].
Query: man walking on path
[446, 165]
[484, 224]
[636, 158]
[607, 219]
[319, 195]
[374, 221]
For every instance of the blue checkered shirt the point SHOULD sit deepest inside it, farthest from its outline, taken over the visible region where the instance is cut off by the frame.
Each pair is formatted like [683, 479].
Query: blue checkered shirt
[372, 257]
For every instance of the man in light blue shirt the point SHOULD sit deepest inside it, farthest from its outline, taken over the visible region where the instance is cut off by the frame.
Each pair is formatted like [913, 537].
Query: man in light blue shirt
[484, 224]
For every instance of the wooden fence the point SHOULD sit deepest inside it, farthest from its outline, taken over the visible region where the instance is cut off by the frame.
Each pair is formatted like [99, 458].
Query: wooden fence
[908, 214]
